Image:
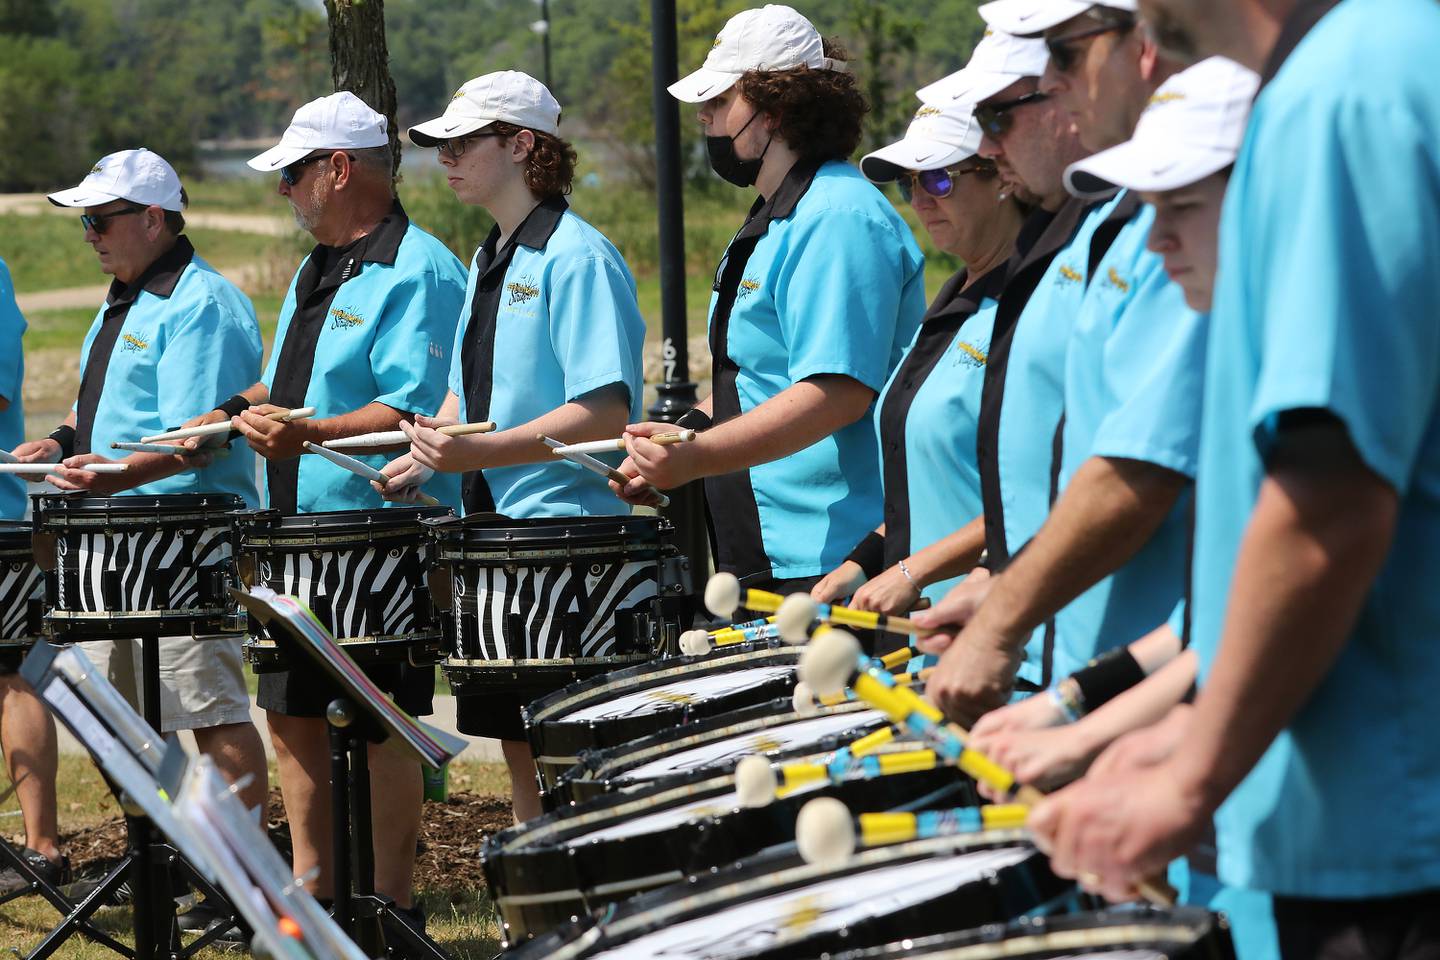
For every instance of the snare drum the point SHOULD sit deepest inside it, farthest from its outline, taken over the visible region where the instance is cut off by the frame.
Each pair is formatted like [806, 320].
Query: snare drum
[770, 730]
[581, 859]
[540, 603]
[775, 907]
[362, 572]
[623, 706]
[22, 593]
[1138, 933]
[132, 566]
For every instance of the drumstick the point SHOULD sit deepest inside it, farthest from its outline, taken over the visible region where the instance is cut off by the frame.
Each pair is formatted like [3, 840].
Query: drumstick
[7, 457]
[825, 833]
[724, 595]
[595, 466]
[609, 446]
[41, 469]
[757, 783]
[211, 429]
[833, 661]
[170, 448]
[389, 438]
[806, 704]
[362, 469]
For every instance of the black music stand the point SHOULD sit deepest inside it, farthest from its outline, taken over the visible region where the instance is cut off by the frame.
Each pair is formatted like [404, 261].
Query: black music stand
[362, 715]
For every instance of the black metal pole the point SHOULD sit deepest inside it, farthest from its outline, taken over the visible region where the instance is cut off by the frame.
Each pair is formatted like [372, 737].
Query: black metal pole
[676, 394]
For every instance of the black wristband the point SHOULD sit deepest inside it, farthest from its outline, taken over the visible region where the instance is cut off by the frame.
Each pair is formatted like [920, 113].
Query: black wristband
[870, 554]
[695, 419]
[65, 436]
[1107, 676]
[983, 561]
[235, 405]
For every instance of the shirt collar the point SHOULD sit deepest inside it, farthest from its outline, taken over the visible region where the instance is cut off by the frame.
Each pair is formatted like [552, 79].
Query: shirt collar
[957, 299]
[783, 201]
[534, 231]
[159, 278]
[382, 244]
[1297, 26]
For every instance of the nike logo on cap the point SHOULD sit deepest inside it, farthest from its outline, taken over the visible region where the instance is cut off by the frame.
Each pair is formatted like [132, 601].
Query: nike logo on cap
[924, 158]
[454, 126]
[705, 91]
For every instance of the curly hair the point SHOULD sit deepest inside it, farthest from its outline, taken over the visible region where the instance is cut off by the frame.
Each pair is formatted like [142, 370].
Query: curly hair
[550, 168]
[819, 113]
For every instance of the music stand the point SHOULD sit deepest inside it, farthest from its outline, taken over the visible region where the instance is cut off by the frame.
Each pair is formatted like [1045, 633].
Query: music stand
[362, 714]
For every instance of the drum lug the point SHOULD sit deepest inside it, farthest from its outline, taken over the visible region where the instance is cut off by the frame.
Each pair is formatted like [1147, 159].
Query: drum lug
[675, 577]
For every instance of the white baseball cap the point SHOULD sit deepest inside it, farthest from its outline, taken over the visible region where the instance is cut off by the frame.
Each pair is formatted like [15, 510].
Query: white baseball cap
[340, 121]
[937, 138]
[1193, 127]
[772, 38]
[508, 96]
[1030, 18]
[140, 176]
[998, 61]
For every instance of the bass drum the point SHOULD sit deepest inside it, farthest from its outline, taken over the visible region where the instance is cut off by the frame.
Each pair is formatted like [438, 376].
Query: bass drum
[1139, 933]
[776, 907]
[628, 704]
[581, 859]
[771, 730]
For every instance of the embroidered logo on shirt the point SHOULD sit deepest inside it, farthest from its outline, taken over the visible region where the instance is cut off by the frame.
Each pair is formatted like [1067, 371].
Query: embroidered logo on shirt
[344, 319]
[1163, 98]
[1071, 275]
[747, 287]
[133, 344]
[522, 291]
[1113, 279]
[969, 355]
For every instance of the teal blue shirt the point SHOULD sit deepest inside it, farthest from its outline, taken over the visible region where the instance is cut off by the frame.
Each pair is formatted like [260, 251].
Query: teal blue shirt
[12, 378]
[562, 322]
[834, 284]
[1327, 300]
[376, 322]
[188, 343]
[1134, 379]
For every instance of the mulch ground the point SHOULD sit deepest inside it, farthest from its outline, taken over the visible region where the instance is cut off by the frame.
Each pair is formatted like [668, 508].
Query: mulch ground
[451, 834]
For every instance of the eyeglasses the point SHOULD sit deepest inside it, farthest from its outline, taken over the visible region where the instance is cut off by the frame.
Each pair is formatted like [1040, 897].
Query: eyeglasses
[1063, 52]
[100, 222]
[290, 173]
[938, 183]
[995, 119]
[454, 148]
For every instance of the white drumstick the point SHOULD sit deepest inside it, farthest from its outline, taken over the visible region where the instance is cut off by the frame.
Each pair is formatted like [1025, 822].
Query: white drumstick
[596, 466]
[211, 429]
[389, 438]
[168, 448]
[7, 457]
[361, 469]
[610, 446]
[41, 469]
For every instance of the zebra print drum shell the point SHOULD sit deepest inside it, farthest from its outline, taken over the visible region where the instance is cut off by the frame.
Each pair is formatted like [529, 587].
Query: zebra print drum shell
[578, 860]
[362, 572]
[636, 702]
[1134, 933]
[22, 586]
[775, 907]
[772, 729]
[544, 602]
[129, 566]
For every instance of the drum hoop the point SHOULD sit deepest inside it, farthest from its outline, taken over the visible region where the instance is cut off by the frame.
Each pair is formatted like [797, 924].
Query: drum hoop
[50, 522]
[509, 555]
[417, 638]
[195, 613]
[460, 665]
[276, 539]
[1137, 935]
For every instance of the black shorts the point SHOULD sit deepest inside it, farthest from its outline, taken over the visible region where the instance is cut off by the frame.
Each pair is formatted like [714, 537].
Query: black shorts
[11, 656]
[305, 690]
[1406, 927]
[497, 714]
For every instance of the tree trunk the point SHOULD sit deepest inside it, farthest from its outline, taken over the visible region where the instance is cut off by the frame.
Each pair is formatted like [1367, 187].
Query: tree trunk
[360, 60]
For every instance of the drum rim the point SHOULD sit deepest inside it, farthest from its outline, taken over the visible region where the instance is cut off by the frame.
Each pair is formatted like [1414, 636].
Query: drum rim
[484, 532]
[336, 520]
[77, 502]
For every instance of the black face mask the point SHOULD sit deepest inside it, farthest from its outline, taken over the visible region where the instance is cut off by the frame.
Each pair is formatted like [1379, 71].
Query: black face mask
[728, 165]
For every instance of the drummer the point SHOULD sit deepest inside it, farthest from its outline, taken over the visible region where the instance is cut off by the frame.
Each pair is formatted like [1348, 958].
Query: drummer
[929, 410]
[549, 342]
[362, 338]
[27, 731]
[814, 302]
[172, 338]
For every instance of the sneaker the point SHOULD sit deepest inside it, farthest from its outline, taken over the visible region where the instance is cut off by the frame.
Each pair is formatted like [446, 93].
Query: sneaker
[52, 872]
[81, 889]
[199, 918]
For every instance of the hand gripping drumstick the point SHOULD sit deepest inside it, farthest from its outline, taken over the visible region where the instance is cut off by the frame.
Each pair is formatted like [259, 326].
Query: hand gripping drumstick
[362, 469]
[212, 429]
[609, 446]
[833, 660]
[595, 466]
[41, 469]
[390, 438]
[724, 595]
[826, 834]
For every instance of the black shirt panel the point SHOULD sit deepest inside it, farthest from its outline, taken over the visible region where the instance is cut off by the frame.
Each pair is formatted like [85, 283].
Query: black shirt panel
[477, 353]
[1297, 26]
[740, 548]
[159, 279]
[321, 276]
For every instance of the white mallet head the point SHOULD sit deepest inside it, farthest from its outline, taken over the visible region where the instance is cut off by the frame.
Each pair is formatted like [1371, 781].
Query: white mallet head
[794, 617]
[803, 700]
[755, 782]
[694, 643]
[829, 661]
[825, 832]
[722, 594]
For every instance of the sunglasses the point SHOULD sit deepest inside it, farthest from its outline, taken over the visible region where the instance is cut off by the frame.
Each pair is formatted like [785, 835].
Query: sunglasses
[995, 118]
[938, 183]
[100, 222]
[291, 172]
[454, 148]
[1064, 53]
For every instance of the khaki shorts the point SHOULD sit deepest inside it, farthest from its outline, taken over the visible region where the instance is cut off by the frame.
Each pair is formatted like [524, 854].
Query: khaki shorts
[202, 682]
